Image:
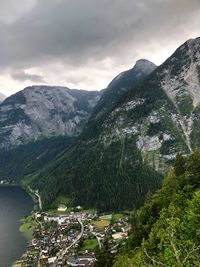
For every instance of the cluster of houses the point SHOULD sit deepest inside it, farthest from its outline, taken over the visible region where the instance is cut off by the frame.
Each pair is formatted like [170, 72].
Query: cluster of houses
[58, 238]
[120, 229]
[53, 235]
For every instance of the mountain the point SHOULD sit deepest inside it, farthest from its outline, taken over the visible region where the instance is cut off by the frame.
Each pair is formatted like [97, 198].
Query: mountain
[120, 156]
[43, 111]
[143, 119]
[162, 112]
[2, 97]
[116, 89]
[180, 79]
[98, 170]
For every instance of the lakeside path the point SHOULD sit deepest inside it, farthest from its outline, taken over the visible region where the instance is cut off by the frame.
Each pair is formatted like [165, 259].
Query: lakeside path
[35, 193]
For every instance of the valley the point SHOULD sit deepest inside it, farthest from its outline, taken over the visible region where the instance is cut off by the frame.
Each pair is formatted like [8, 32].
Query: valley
[99, 133]
[129, 145]
[98, 162]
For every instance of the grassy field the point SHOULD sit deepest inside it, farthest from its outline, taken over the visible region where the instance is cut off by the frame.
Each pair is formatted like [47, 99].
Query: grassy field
[27, 227]
[106, 217]
[101, 224]
[90, 244]
[27, 230]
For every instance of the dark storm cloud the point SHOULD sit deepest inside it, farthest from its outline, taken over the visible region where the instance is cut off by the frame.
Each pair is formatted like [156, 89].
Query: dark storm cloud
[84, 33]
[76, 31]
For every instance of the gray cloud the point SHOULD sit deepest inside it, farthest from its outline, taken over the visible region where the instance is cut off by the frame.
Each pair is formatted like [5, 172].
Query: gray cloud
[21, 75]
[91, 34]
[12, 10]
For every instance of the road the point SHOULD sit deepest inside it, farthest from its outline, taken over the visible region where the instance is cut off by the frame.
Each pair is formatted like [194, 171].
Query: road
[39, 200]
[98, 239]
[78, 237]
[62, 253]
[37, 196]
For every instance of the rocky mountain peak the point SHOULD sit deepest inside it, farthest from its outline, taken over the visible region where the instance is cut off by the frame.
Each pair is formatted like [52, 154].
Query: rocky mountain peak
[142, 68]
[193, 41]
[144, 65]
[181, 74]
[118, 87]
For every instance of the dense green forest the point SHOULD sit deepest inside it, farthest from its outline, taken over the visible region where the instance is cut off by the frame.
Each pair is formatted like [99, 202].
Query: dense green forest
[105, 177]
[166, 230]
[28, 159]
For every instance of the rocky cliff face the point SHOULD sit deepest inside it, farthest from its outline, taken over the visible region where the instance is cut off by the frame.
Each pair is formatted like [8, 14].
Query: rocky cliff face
[43, 111]
[115, 91]
[181, 81]
[161, 113]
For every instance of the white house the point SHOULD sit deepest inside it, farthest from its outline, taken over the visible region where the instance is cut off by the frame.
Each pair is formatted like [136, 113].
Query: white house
[62, 207]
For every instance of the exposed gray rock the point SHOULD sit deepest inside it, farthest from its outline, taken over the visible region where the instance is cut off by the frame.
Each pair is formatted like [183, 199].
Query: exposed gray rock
[43, 111]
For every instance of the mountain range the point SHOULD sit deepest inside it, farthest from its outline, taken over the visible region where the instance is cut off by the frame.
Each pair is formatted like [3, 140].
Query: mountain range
[126, 138]
[43, 111]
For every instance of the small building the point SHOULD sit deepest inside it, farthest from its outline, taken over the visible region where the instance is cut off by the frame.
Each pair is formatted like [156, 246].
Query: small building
[82, 261]
[52, 260]
[62, 207]
[119, 236]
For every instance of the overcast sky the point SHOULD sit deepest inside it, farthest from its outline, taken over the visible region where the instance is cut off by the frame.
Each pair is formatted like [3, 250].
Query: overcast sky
[85, 43]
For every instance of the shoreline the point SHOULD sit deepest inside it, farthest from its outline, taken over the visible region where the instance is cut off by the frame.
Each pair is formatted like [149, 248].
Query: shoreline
[17, 262]
[4, 185]
[35, 197]
[25, 232]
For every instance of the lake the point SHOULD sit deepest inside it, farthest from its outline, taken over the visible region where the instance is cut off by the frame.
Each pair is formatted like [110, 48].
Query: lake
[14, 204]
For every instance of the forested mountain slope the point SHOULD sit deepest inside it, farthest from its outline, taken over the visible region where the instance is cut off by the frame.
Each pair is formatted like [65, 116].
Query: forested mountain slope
[27, 159]
[165, 231]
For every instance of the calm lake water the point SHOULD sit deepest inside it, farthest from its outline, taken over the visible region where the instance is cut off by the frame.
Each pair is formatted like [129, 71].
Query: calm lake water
[14, 204]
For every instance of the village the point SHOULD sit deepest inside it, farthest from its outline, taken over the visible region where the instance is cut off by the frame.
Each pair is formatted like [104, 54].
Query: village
[63, 237]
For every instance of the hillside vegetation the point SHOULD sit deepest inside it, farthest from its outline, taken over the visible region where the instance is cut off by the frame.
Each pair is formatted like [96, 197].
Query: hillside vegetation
[166, 230]
[30, 158]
